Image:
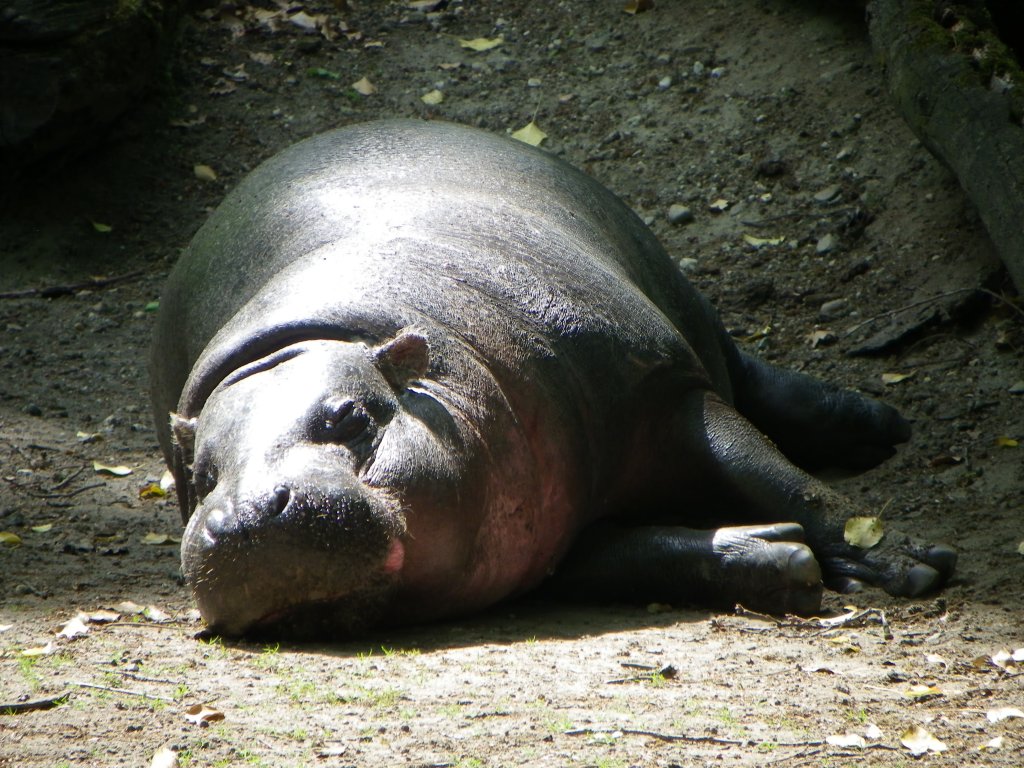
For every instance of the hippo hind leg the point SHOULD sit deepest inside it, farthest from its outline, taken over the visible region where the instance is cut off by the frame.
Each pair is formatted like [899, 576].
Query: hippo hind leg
[815, 424]
[730, 454]
[764, 567]
[706, 443]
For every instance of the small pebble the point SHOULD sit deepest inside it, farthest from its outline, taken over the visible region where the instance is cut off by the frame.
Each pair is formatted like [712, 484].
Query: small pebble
[679, 214]
[698, 68]
[665, 83]
[33, 410]
[826, 244]
[829, 194]
[687, 265]
[836, 308]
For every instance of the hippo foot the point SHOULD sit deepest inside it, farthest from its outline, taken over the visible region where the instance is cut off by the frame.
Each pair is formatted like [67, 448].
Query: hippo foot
[764, 567]
[902, 566]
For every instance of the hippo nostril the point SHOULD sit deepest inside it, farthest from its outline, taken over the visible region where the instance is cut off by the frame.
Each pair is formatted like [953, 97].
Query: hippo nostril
[282, 494]
[218, 522]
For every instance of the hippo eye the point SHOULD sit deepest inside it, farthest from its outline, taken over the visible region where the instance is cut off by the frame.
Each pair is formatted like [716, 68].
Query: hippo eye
[343, 421]
[205, 479]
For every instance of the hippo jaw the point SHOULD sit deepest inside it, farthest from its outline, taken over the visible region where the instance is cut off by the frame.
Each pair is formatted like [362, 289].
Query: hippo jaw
[313, 567]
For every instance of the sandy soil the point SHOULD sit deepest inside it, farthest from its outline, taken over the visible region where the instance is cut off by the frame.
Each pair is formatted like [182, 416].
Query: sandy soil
[777, 108]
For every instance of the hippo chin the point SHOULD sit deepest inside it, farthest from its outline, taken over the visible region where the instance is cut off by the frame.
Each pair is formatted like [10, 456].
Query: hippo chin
[409, 369]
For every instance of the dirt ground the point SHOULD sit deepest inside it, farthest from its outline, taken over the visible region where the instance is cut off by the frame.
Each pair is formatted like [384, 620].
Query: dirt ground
[836, 221]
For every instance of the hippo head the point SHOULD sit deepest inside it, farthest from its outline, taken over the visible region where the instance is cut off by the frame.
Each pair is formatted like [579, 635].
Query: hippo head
[303, 467]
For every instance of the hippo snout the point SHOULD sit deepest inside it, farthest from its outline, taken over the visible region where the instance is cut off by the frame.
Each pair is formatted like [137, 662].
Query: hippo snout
[291, 561]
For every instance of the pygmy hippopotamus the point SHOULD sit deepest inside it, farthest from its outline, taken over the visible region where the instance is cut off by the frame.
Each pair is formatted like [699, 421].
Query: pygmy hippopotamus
[408, 369]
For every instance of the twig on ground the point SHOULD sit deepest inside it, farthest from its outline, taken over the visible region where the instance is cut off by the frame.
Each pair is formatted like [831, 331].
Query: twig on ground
[53, 291]
[36, 704]
[125, 692]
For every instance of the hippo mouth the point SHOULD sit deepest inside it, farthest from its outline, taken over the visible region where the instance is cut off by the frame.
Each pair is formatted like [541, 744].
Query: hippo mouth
[315, 571]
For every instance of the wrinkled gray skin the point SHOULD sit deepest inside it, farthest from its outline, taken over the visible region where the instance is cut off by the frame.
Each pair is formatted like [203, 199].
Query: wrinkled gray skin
[408, 369]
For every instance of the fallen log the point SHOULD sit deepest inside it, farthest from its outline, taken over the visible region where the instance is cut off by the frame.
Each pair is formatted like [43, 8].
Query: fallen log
[961, 91]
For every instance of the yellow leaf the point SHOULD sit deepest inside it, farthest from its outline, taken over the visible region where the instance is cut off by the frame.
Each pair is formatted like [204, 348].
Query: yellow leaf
[530, 134]
[863, 532]
[1006, 442]
[760, 242]
[920, 691]
[719, 206]
[204, 172]
[42, 528]
[9, 539]
[1020, 548]
[634, 7]
[103, 469]
[433, 98]
[919, 741]
[895, 378]
[479, 44]
[152, 491]
[364, 86]
[104, 228]
[156, 539]
[42, 650]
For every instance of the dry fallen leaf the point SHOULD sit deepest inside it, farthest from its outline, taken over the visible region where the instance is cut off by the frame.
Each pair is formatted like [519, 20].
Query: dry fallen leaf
[847, 740]
[934, 658]
[9, 539]
[104, 469]
[103, 228]
[919, 741]
[992, 744]
[165, 757]
[482, 43]
[530, 134]
[895, 378]
[719, 206]
[75, 628]
[155, 615]
[863, 532]
[364, 87]
[43, 650]
[152, 491]
[204, 172]
[920, 691]
[761, 242]
[822, 337]
[634, 7]
[156, 539]
[203, 715]
[1007, 442]
[432, 98]
[1003, 713]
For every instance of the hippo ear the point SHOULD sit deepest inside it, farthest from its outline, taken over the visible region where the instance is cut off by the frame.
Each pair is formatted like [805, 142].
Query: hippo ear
[405, 357]
[183, 439]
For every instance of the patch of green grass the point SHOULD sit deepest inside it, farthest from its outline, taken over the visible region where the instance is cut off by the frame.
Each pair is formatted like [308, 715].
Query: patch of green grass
[27, 668]
[269, 660]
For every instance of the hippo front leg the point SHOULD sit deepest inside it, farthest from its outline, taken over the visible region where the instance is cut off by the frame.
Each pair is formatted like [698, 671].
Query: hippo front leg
[766, 568]
[728, 450]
